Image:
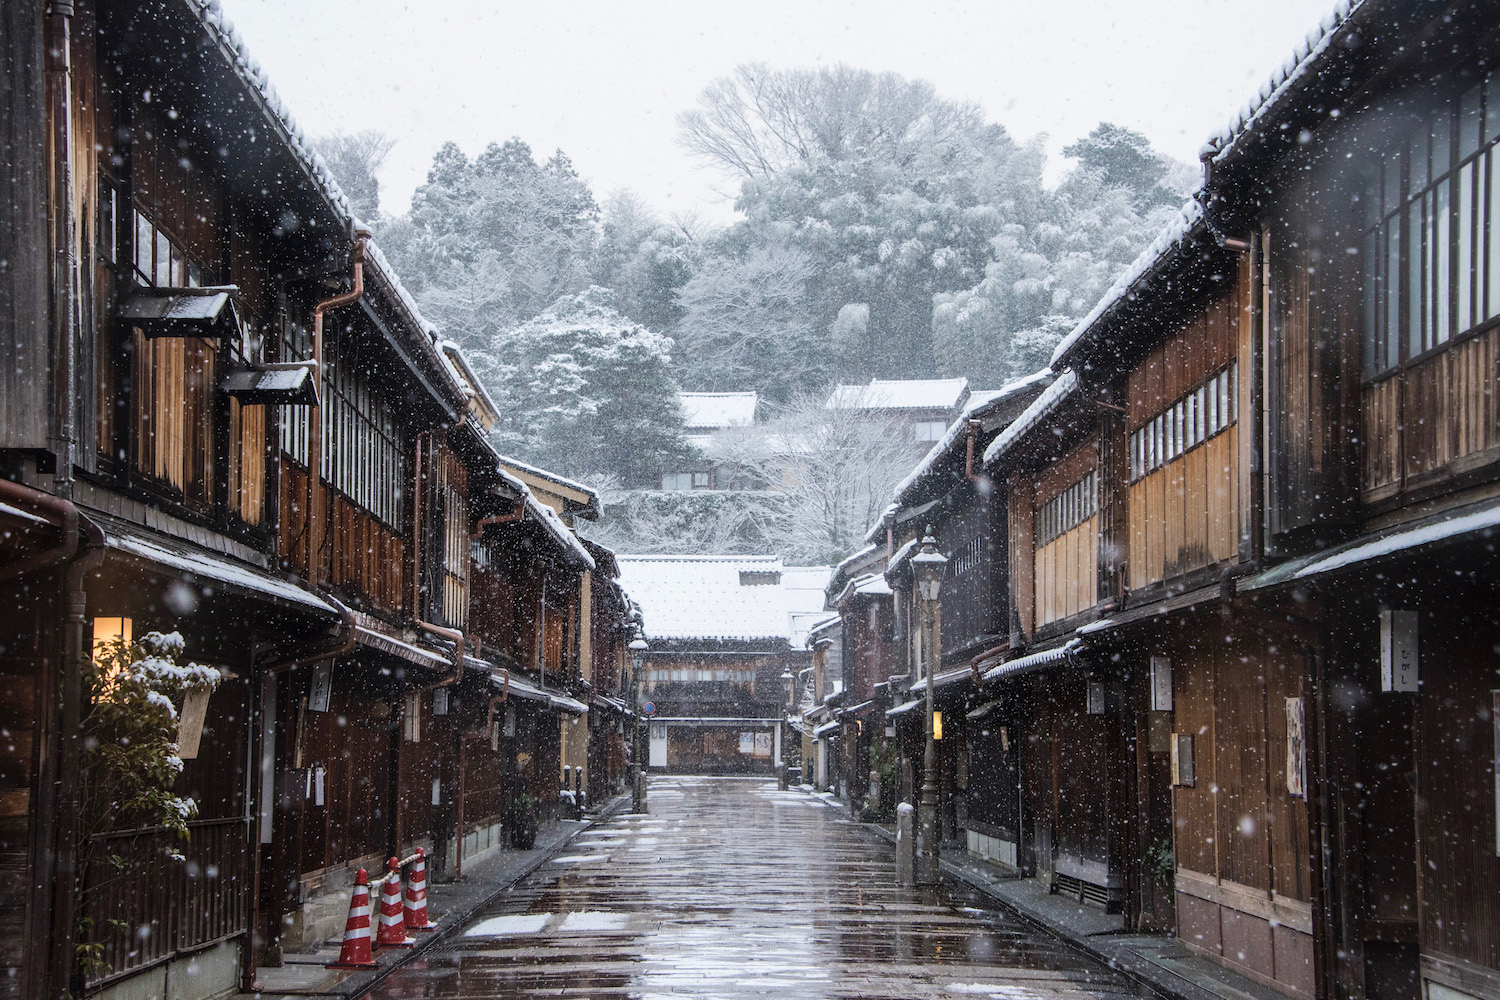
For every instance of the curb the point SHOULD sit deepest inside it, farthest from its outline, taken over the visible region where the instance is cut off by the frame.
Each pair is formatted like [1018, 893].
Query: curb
[452, 920]
[1158, 980]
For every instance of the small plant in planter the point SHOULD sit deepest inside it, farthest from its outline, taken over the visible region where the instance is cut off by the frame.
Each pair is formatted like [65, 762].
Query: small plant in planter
[523, 821]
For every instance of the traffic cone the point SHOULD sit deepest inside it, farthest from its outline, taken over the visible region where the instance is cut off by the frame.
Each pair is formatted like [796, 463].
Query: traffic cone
[416, 896]
[355, 954]
[392, 932]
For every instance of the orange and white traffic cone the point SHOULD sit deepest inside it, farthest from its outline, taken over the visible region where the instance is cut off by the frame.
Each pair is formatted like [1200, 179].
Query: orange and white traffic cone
[416, 896]
[355, 954]
[392, 931]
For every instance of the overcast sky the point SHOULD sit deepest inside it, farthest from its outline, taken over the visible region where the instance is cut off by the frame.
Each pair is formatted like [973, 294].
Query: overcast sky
[604, 81]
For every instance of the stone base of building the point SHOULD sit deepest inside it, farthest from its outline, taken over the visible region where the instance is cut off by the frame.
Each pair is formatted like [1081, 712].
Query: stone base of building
[1265, 939]
[203, 975]
[992, 848]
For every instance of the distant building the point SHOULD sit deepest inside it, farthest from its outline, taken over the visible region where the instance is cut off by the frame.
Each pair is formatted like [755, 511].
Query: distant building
[724, 630]
[926, 406]
[706, 416]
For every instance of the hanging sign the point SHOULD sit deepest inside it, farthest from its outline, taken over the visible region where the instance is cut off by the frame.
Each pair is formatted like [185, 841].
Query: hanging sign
[1398, 650]
[190, 721]
[322, 687]
[1296, 749]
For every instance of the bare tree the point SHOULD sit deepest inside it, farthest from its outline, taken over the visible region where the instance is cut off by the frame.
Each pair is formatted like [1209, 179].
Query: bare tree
[836, 467]
[761, 121]
[355, 159]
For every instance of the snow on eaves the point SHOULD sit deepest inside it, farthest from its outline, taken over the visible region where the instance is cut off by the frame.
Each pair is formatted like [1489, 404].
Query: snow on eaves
[978, 403]
[1034, 414]
[1187, 221]
[851, 560]
[541, 473]
[555, 526]
[1273, 91]
[255, 78]
[879, 526]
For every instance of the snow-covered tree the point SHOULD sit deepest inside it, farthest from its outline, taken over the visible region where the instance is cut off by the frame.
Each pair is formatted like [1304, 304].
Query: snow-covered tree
[489, 243]
[584, 390]
[355, 159]
[129, 763]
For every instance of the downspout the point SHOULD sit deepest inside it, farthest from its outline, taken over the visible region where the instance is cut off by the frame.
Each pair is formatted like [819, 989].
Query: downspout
[64, 510]
[75, 653]
[315, 432]
[416, 533]
[971, 431]
[56, 967]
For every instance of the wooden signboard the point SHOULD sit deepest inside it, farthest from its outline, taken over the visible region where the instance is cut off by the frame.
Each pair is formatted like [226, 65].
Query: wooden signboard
[190, 722]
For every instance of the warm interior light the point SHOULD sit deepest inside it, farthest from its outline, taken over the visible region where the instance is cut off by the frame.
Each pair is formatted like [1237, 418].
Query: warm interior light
[937, 725]
[108, 630]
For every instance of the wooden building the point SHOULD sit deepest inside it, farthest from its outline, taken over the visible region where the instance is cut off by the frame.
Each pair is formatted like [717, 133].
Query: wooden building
[215, 327]
[717, 680]
[1246, 545]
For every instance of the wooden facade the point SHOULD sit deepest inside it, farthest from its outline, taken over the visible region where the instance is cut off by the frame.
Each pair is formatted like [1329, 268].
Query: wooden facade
[1248, 689]
[195, 234]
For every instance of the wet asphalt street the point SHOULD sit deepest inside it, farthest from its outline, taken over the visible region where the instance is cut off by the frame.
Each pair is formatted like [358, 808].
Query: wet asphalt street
[730, 888]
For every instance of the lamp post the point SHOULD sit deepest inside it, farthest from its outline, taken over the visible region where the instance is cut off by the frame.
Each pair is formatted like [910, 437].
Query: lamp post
[638, 649]
[787, 680]
[927, 567]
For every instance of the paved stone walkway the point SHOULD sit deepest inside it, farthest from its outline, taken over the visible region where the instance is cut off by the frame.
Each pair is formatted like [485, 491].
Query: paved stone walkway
[729, 888]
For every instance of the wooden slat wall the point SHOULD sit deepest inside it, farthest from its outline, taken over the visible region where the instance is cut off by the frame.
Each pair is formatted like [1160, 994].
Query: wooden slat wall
[1458, 869]
[367, 558]
[25, 378]
[1186, 514]
[1067, 580]
[1238, 822]
[247, 461]
[1022, 565]
[1435, 418]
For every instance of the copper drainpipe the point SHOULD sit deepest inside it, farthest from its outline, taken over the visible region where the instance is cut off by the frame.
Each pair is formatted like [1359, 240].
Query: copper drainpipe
[510, 518]
[971, 428]
[315, 432]
[61, 510]
[416, 534]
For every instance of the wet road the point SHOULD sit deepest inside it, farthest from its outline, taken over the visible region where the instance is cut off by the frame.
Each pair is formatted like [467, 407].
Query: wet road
[729, 888]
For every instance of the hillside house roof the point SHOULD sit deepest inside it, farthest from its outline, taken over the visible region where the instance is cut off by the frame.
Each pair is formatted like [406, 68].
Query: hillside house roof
[725, 597]
[711, 411]
[901, 394]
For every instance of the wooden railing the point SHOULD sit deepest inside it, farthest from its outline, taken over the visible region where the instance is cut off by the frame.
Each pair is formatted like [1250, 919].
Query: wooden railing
[144, 907]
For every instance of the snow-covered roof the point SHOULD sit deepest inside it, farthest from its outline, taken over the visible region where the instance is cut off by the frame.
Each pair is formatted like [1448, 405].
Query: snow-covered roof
[1482, 520]
[978, 403]
[553, 522]
[1186, 222]
[715, 410]
[901, 394]
[1273, 91]
[1034, 661]
[725, 597]
[255, 78]
[541, 473]
[1034, 414]
[861, 554]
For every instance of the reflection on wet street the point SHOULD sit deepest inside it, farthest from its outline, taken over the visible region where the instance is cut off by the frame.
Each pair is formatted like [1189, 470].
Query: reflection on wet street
[730, 888]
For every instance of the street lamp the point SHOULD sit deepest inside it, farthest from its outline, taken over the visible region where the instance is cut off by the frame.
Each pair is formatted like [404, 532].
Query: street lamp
[927, 567]
[782, 781]
[786, 687]
[638, 649]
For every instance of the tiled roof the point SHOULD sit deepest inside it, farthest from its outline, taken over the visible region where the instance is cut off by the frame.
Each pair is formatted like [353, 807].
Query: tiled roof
[703, 597]
[713, 410]
[976, 405]
[901, 394]
[1032, 415]
[1297, 65]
